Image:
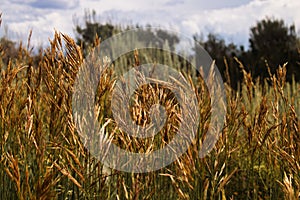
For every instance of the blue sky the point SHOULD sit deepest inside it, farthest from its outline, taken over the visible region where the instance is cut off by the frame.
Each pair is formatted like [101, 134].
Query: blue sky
[230, 19]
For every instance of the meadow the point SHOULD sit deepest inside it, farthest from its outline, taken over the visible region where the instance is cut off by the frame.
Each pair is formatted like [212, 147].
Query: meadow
[257, 155]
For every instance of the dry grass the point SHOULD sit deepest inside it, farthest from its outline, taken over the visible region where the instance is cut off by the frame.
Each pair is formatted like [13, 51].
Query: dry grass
[43, 157]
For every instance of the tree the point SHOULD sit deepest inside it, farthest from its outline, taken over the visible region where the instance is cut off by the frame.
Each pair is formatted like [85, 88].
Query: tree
[171, 38]
[86, 35]
[223, 55]
[157, 37]
[8, 50]
[272, 43]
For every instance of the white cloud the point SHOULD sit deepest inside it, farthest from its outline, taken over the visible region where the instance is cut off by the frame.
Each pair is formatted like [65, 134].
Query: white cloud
[230, 19]
[240, 19]
[54, 4]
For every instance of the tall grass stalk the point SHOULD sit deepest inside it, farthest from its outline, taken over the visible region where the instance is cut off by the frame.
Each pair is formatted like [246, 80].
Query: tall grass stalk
[43, 157]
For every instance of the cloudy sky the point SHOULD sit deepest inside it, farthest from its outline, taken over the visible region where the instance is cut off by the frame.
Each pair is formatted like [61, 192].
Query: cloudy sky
[231, 19]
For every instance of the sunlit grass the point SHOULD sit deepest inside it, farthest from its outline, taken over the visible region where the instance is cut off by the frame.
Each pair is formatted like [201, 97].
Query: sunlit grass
[43, 157]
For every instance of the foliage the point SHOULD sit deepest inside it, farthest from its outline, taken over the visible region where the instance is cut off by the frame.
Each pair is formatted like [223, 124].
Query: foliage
[10, 49]
[272, 43]
[92, 29]
[223, 55]
[86, 35]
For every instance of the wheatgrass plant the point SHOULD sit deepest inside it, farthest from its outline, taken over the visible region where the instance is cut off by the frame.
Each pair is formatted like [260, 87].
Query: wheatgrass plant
[43, 155]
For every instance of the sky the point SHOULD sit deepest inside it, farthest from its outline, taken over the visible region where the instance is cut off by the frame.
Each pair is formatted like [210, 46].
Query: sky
[229, 19]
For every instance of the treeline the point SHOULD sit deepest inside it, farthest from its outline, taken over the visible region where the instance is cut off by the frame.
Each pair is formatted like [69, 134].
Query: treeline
[272, 43]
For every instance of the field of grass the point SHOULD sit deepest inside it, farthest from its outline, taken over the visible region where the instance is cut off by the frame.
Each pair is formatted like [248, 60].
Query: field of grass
[257, 155]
